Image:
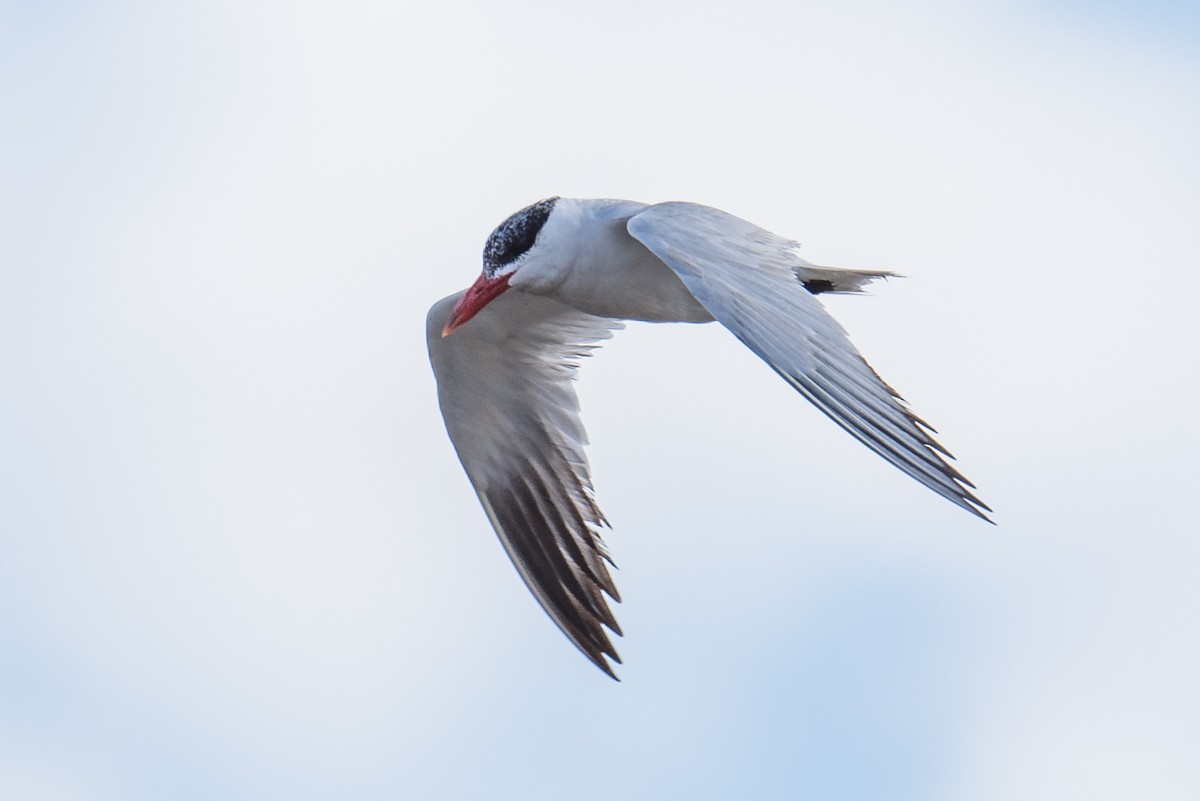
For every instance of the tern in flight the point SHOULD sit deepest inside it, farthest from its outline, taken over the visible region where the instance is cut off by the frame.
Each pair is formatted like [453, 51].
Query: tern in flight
[558, 277]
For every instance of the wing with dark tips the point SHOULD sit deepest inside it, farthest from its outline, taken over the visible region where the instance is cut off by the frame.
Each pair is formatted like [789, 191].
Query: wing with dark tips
[504, 386]
[751, 281]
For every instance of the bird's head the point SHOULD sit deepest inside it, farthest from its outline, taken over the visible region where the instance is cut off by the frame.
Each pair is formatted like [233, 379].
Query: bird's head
[513, 244]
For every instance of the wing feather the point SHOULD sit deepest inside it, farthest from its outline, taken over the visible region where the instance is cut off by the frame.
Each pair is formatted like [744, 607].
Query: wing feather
[505, 390]
[752, 282]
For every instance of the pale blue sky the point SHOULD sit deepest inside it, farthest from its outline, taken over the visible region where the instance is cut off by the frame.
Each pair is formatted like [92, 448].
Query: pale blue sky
[239, 560]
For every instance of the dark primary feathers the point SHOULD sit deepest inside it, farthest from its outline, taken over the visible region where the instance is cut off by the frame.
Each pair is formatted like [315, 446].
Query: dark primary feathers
[504, 386]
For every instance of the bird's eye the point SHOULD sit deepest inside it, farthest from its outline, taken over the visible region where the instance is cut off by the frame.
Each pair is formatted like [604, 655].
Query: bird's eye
[516, 235]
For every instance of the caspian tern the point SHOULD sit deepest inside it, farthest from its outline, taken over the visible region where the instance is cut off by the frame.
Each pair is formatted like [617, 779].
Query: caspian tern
[559, 277]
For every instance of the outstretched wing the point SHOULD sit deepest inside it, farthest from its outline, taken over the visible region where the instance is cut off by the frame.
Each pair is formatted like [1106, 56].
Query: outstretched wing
[752, 282]
[504, 386]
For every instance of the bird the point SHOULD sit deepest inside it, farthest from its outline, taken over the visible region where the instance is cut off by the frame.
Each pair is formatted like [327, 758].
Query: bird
[561, 276]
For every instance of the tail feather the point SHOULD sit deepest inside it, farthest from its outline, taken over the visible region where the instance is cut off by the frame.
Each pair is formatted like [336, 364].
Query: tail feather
[817, 279]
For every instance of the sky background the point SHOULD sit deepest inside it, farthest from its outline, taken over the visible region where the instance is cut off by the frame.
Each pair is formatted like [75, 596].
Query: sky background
[238, 557]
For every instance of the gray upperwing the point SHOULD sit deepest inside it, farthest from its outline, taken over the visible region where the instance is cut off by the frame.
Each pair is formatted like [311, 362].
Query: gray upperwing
[751, 281]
